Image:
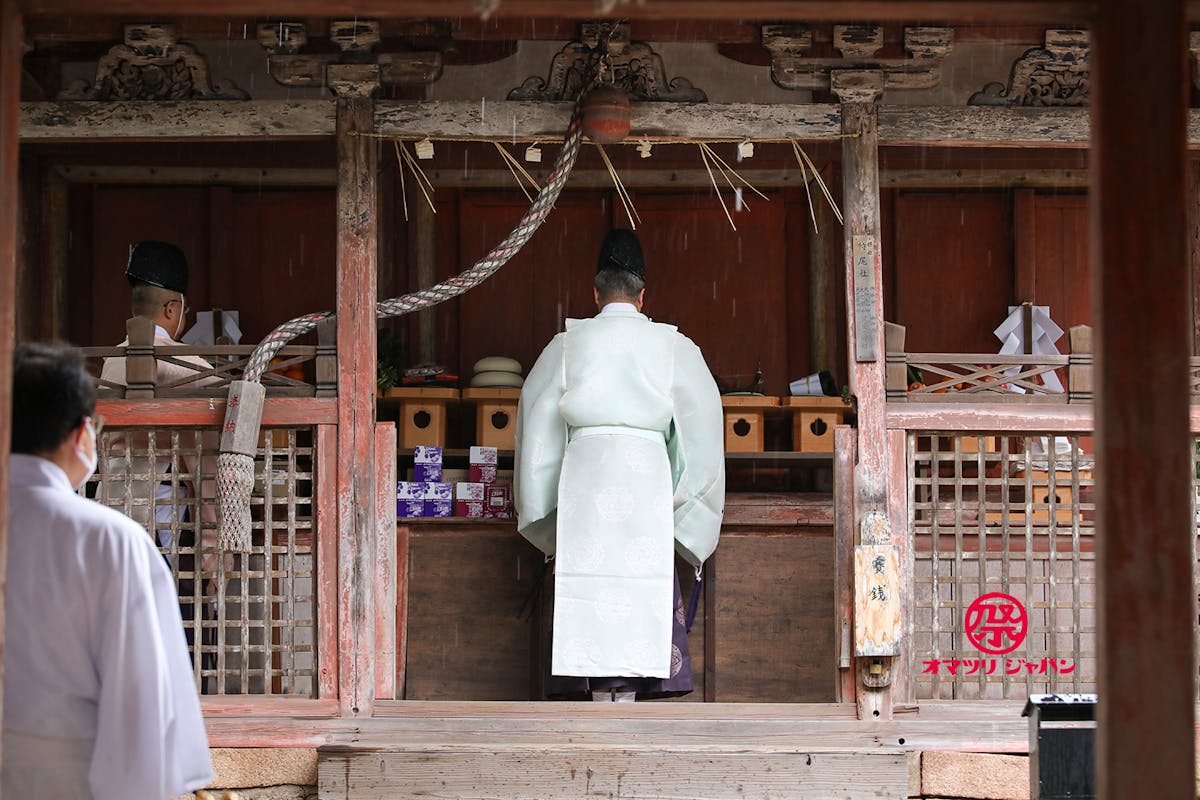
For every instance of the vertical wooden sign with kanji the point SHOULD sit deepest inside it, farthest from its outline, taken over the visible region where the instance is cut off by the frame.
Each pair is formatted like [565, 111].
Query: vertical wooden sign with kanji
[876, 590]
[866, 326]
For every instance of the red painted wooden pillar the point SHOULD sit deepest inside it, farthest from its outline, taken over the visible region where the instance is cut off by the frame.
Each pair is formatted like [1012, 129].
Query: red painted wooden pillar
[10, 89]
[357, 224]
[1146, 737]
[859, 92]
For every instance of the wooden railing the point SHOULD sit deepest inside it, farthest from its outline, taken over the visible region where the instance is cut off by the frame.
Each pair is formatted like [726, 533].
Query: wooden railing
[147, 362]
[990, 377]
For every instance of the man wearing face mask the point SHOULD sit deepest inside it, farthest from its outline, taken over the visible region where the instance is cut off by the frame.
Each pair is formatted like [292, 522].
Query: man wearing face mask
[99, 697]
[143, 487]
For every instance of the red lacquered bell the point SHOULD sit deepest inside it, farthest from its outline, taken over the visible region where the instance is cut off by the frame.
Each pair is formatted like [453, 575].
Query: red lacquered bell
[606, 115]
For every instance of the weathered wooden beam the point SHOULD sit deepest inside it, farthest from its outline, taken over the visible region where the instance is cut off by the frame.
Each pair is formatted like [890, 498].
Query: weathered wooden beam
[1193, 211]
[326, 511]
[202, 119]
[385, 561]
[357, 242]
[508, 120]
[11, 48]
[983, 179]
[1004, 11]
[991, 417]
[633, 179]
[845, 454]
[198, 176]
[210, 412]
[1146, 595]
[824, 263]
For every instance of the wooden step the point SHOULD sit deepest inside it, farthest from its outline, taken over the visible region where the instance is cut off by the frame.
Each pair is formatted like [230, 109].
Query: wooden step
[568, 771]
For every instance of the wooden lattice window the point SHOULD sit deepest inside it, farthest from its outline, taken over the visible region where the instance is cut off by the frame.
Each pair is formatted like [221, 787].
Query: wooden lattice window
[1002, 517]
[250, 619]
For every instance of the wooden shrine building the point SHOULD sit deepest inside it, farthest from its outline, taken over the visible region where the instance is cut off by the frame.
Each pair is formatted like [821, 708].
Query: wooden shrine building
[982, 218]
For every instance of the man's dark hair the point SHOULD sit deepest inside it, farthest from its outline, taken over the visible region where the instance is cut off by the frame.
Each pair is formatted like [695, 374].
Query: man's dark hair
[52, 393]
[617, 284]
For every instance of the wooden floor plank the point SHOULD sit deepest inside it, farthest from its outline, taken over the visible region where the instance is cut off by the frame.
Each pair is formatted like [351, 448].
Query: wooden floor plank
[554, 774]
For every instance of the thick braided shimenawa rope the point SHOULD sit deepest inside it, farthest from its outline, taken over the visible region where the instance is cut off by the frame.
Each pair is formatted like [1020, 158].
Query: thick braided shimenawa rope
[235, 470]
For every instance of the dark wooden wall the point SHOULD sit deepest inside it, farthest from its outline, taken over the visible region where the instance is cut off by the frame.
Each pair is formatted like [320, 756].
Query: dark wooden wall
[959, 259]
[267, 253]
[474, 633]
[740, 295]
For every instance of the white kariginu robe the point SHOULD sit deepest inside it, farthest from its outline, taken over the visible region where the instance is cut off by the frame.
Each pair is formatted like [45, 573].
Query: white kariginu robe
[619, 463]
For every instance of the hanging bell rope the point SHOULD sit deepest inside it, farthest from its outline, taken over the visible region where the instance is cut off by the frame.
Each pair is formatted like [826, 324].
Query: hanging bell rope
[243, 411]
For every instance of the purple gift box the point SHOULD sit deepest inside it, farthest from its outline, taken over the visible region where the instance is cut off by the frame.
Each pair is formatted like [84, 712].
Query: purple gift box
[439, 499]
[410, 499]
[410, 508]
[427, 454]
[425, 473]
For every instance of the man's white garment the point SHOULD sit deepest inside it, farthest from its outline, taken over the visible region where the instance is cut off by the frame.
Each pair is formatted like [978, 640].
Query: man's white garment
[619, 451]
[99, 697]
[131, 484]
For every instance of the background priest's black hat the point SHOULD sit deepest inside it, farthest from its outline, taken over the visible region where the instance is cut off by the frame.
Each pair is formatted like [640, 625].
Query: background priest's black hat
[158, 264]
[622, 250]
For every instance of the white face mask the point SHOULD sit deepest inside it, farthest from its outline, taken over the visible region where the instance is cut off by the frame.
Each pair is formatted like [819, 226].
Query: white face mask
[90, 462]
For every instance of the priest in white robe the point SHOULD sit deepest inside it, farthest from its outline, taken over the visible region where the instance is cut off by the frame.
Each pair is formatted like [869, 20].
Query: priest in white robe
[619, 465]
[99, 698]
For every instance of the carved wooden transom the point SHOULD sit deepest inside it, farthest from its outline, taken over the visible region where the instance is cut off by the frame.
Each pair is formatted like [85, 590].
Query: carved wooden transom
[1058, 74]
[358, 42]
[152, 65]
[632, 66]
[793, 68]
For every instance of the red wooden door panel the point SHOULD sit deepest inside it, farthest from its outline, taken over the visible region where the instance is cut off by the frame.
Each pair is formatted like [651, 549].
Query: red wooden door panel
[1061, 278]
[121, 217]
[953, 269]
[284, 254]
[725, 289]
[518, 310]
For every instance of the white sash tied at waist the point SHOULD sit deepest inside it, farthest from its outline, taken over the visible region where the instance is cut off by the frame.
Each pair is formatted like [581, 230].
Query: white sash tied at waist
[617, 430]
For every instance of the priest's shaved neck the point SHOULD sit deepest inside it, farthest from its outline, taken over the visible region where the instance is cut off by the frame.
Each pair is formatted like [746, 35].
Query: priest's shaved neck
[163, 306]
[619, 286]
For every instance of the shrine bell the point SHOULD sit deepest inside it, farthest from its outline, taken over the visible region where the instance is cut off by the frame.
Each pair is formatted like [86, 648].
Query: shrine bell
[606, 114]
